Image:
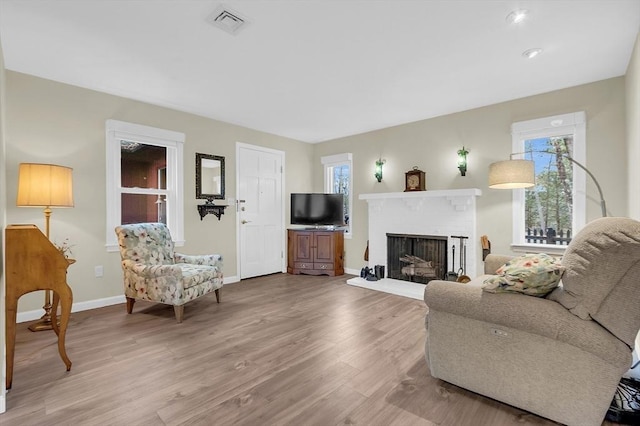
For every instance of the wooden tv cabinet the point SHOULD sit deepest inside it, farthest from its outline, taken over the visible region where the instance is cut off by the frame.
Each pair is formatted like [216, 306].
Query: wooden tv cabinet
[315, 252]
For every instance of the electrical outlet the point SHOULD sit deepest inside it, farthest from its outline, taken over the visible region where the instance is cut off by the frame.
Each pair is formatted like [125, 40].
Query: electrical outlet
[99, 271]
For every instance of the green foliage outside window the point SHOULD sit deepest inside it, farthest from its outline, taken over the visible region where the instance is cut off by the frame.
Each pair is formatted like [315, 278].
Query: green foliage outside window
[549, 204]
[341, 185]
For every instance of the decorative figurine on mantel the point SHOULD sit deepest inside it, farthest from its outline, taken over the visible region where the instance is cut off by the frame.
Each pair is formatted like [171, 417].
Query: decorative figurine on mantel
[415, 180]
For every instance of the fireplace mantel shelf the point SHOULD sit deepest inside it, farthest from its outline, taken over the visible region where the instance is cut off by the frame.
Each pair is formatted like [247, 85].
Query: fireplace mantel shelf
[423, 194]
[459, 198]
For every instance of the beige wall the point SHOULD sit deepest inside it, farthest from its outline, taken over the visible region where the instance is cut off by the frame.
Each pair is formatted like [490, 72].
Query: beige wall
[632, 81]
[3, 204]
[63, 124]
[54, 122]
[485, 132]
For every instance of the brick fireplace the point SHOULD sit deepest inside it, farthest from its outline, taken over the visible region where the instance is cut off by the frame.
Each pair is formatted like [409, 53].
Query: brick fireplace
[440, 213]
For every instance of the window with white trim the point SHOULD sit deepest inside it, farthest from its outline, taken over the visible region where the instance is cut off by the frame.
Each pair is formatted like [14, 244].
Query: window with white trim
[546, 216]
[338, 175]
[144, 178]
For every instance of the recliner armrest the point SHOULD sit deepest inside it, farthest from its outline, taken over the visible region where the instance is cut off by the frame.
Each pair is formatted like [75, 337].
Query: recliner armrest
[493, 261]
[526, 313]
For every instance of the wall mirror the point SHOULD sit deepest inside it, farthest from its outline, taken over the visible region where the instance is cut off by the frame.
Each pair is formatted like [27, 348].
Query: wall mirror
[209, 177]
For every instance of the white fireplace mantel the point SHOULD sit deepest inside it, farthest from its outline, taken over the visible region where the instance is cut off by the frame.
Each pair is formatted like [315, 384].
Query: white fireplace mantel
[442, 212]
[460, 199]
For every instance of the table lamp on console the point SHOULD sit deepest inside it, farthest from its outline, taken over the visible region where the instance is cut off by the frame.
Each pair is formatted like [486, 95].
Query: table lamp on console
[45, 186]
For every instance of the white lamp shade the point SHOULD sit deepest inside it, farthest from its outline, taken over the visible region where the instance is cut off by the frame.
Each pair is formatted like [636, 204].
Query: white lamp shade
[511, 174]
[44, 185]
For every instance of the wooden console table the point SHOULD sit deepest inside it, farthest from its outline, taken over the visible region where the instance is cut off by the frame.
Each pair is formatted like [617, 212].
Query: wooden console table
[34, 263]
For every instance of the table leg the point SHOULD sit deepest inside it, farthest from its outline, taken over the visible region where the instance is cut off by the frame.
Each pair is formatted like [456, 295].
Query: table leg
[65, 299]
[10, 317]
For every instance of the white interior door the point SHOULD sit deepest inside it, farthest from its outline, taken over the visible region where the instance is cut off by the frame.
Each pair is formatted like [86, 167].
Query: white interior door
[260, 210]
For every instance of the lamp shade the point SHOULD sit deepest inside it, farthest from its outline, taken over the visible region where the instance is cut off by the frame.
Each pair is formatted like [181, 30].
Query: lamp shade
[44, 185]
[511, 174]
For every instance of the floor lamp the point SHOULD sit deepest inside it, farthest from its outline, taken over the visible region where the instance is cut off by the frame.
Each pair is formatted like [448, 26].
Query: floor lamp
[519, 173]
[47, 186]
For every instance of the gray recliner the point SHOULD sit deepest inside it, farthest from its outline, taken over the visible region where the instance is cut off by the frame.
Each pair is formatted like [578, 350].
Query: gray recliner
[561, 356]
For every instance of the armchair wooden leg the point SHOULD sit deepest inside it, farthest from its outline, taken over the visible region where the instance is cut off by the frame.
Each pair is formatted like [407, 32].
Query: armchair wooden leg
[130, 302]
[179, 311]
[217, 295]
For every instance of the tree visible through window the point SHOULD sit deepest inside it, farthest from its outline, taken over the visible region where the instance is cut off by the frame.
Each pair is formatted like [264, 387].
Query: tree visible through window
[549, 204]
[548, 214]
[341, 185]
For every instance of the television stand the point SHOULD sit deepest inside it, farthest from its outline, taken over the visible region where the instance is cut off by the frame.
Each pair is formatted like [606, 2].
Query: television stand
[315, 252]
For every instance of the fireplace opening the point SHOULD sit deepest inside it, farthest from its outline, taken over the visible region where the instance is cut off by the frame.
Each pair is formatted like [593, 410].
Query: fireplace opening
[416, 258]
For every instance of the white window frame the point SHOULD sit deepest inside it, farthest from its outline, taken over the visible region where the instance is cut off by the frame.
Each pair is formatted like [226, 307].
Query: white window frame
[557, 125]
[328, 163]
[174, 143]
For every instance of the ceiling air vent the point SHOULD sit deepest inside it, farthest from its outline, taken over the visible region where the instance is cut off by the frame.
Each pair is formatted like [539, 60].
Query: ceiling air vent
[227, 19]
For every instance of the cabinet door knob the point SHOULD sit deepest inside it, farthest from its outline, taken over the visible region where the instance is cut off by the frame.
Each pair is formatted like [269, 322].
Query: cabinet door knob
[244, 221]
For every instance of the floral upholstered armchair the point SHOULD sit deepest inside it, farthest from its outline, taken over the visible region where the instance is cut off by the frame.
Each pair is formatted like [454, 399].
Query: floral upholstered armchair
[153, 271]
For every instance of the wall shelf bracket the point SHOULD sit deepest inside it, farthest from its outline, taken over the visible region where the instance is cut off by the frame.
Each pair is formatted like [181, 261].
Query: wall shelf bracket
[205, 209]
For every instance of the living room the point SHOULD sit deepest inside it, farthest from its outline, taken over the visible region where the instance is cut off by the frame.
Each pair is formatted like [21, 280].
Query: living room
[48, 121]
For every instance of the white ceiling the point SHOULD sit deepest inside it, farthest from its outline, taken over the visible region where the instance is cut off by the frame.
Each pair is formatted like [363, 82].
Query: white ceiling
[315, 70]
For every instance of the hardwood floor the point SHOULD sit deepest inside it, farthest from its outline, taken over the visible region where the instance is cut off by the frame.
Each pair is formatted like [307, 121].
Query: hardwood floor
[280, 349]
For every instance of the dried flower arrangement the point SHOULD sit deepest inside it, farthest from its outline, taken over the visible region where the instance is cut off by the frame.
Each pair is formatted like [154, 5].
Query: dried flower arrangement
[65, 248]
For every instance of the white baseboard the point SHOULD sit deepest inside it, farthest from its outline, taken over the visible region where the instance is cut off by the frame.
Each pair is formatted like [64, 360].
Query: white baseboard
[230, 280]
[91, 304]
[350, 271]
[76, 307]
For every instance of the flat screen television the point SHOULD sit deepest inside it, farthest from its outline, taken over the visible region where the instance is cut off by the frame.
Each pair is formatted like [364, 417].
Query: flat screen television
[317, 209]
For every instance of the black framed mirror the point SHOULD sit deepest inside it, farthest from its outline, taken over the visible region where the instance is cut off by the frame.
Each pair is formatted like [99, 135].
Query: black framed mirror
[209, 177]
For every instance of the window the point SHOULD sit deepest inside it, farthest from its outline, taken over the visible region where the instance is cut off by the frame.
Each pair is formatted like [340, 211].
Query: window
[338, 172]
[547, 215]
[144, 178]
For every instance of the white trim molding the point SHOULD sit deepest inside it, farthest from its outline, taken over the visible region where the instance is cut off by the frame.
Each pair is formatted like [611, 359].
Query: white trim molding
[328, 163]
[557, 125]
[173, 141]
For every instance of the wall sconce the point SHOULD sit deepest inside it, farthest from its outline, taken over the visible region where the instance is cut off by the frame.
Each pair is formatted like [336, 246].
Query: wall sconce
[462, 161]
[378, 173]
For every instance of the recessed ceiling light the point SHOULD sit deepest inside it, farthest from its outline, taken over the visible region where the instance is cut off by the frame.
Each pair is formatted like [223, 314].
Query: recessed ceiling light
[532, 53]
[517, 16]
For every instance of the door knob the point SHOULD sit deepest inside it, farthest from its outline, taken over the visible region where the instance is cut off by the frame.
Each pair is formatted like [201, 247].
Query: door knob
[244, 221]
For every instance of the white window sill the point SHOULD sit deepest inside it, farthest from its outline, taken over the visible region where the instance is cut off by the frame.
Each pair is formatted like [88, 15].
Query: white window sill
[539, 248]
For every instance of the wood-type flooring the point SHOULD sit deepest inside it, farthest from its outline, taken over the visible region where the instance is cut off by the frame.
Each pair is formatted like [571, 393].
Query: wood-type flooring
[278, 350]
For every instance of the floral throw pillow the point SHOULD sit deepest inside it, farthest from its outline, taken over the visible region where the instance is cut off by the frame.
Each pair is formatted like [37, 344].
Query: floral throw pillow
[531, 274]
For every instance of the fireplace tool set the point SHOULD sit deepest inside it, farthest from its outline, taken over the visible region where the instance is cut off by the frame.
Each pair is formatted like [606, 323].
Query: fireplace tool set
[460, 276]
